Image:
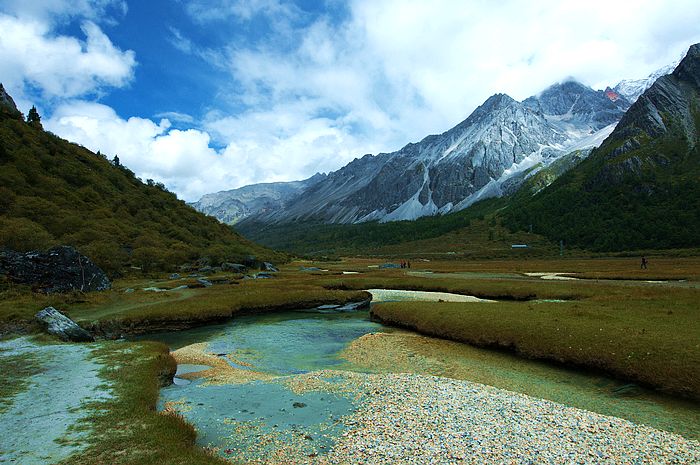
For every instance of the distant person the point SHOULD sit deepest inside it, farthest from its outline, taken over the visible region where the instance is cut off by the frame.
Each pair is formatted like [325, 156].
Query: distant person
[408, 265]
[644, 263]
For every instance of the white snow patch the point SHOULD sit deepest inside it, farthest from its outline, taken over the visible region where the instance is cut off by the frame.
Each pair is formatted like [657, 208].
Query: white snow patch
[412, 208]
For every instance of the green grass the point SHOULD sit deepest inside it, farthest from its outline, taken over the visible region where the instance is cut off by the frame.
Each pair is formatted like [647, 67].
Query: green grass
[648, 335]
[16, 371]
[127, 429]
[117, 312]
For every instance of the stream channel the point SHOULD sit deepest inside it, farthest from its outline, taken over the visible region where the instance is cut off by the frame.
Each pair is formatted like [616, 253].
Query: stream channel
[272, 388]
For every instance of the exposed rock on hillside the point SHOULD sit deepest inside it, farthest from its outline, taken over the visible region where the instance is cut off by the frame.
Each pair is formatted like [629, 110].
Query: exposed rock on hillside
[61, 269]
[234, 205]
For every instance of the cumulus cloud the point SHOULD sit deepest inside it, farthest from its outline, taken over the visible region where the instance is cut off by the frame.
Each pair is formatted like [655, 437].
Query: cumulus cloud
[31, 55]
[323, 88]
[186, 162]
[393, 72]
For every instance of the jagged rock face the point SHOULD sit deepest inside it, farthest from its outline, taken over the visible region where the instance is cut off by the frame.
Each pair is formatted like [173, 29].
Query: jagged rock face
[669, 100]
[234, 205]
[7, 105]
[575, 102]
[61, 269]
[489, 154]
[633, 88]
[435, 174]
[60, 325]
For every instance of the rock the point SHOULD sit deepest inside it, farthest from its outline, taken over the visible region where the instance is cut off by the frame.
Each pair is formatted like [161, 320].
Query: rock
[61, 269]
[206, 269]
[327, 307]
[174, 276]
[204, 282]
[58, 324]
[354, 306]
[309, 268]
[263, 275]
[7, 105]
[237, 267]
[267, 266]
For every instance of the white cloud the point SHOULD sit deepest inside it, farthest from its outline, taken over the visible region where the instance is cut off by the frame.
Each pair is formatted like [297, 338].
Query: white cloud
[396, 71]
[314, 94]
[186, 162]
[60, 66]
[222, 10]
[54, 11]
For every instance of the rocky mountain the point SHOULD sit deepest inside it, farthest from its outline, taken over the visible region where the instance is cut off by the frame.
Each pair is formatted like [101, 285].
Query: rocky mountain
[447, 172]
[233, 205]
[641, 187]
[575, 108]
[631, 89]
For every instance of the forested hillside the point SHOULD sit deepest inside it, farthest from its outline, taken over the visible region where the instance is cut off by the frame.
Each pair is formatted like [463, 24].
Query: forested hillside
[641, 188]
[55, 192]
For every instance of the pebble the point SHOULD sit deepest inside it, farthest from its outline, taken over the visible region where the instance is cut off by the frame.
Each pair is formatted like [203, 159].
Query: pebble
[414, 419]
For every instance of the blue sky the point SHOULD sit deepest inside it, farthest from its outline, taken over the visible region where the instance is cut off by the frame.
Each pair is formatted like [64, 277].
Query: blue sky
[206, 95]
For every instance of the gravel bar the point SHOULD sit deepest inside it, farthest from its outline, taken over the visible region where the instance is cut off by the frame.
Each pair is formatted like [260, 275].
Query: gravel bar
[414, 419]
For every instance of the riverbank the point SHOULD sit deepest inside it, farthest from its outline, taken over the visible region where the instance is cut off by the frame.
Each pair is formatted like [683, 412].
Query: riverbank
[654, 345]
[380, 404]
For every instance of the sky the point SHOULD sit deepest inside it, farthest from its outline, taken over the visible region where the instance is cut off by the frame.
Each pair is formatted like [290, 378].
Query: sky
[210, 95]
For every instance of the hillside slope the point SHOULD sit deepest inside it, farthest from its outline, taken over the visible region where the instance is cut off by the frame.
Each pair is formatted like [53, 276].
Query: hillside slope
[641, 188]
[55, 192]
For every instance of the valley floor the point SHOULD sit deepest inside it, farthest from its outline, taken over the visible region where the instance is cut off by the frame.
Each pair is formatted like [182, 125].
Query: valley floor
[605, 315]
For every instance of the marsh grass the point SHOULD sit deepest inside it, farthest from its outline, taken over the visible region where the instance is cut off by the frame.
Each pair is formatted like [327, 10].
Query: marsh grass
[649, 336]
[17, 371]
[127, 428]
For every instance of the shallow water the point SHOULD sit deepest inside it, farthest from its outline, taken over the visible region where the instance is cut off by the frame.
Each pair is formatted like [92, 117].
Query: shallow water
[234, 417]
[38, 426]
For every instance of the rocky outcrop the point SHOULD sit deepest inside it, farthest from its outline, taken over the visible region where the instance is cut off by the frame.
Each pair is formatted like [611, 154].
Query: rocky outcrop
[667, 107]
[577, 104]
[58, 324]
[7, 105]
[267, 266]
[236, 267]
[60, 269]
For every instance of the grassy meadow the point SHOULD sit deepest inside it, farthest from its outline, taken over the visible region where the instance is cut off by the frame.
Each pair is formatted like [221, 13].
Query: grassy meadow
[610, 320]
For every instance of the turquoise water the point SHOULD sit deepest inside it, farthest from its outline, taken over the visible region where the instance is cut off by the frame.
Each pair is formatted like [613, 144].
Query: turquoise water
[248, 421]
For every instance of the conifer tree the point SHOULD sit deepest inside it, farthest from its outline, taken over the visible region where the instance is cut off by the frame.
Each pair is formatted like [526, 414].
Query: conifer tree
[33, 118]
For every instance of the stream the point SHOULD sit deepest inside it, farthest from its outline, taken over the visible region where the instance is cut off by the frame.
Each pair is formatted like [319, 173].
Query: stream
[276, 386]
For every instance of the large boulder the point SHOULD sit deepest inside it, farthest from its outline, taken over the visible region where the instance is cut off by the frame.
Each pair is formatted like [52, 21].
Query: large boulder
[267, 266]
[61, 269]
[237, 267]
[58, 324]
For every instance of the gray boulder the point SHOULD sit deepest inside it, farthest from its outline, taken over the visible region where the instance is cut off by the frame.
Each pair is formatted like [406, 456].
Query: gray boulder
[58, 324]
[236, 267]
[174, 276]
[204, 282]
[60, 269]
[267, 266]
